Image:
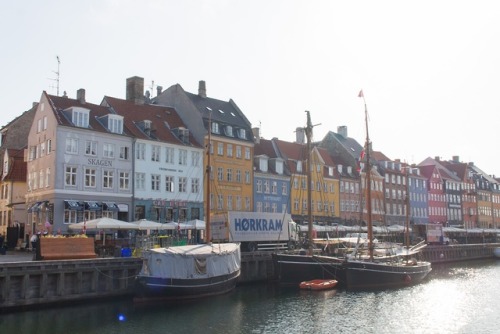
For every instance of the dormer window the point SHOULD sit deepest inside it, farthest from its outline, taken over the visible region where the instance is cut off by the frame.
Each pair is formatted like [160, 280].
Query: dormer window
[299, 166]
[263, 164]
[80, 117]
[215, 127]
[279, 167]
[229, 131]
[242, 134]
[330, 171]
[115, 123]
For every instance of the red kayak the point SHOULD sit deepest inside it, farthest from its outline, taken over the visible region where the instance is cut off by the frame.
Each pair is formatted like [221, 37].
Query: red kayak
[318, 284]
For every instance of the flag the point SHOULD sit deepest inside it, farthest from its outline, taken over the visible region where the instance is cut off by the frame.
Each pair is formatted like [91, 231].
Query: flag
[361, 157]
[361, 94]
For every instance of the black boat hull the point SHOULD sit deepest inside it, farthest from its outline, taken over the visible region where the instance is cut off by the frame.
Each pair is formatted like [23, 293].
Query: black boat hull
[292, 269]
[149, 288]
[364, 275]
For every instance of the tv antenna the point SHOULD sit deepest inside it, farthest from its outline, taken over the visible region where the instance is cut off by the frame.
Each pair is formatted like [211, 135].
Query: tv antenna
[57, 75]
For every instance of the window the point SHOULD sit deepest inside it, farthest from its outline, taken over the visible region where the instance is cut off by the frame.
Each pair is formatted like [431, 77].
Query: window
[229, 202]
[91, 147]
[140, 151]
[70, 176]
[169, 155]
[220, 174]
[195, 159]
[215, 127]
[247, 177]
[155, 153]
[259, 186]
[299, 166]
[266, 187]
[238, 176]
[108, 150]
[155, 182]
[107, 179]
[45, 122]
[49, 146]
[115, 124]
[47, 177]
[71, 145]
[80, 117]
[247, 153]
[229, 175]
[70, 216]
[182, 184]
[284, 189]
[42, 149]
[229, 131]
[90, 177]
[140, 181]
[220, 148]
[238, 152]
[274, 187]
[195, 185]
[41, 179]
[169, 184]
[242, 133]
[183, 157]
[124, 152]
[124, 180]
[229, 150]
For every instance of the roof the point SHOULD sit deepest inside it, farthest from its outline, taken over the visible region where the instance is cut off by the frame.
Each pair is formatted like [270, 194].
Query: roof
[18, 167]
[164, 120]
[59, 104]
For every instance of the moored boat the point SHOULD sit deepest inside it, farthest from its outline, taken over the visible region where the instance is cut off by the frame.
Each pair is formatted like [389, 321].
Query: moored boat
[318, 284]
[187, 272]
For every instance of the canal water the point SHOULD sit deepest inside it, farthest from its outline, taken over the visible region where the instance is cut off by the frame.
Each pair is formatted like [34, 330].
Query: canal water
[459, 298]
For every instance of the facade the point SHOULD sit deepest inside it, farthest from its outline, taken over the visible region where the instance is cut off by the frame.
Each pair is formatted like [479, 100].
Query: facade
[168, 162]
[349, 195]
[467, 191]
[79, 164]
[222, 127]
[417, 190]
[436, 195]
[271, 179]
[13, 186]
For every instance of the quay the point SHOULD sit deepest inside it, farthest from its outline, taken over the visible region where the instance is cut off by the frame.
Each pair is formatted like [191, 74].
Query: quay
[27, 283]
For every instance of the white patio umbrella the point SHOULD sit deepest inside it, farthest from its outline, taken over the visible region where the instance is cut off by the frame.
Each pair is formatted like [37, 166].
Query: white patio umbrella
[103, 223]
[196, 224]
[145, 224]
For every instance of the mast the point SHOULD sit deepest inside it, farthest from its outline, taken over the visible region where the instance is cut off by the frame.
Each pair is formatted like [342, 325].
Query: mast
[308, 131]
[407, 227]
[208, 172]
[368, 171]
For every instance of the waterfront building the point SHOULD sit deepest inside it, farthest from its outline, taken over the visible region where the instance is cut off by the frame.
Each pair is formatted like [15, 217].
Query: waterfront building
[349, 193]
[13, 186]
[417, 190]
[271, 178]
[436, 195]
[231, 147]
[486, 192]
[325, 200]
[79, 164]
[395, 188]
[168, 163]
[468, 191]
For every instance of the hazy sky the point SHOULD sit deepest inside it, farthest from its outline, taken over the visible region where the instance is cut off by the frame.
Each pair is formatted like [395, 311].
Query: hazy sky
[429, 70]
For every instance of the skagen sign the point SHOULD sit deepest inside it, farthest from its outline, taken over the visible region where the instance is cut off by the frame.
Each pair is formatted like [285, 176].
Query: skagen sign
[103, 163]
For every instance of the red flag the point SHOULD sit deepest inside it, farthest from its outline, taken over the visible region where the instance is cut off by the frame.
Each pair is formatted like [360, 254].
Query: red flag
[361, 94]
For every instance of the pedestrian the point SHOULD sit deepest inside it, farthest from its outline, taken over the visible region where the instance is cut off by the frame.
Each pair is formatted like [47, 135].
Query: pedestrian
[33, 241]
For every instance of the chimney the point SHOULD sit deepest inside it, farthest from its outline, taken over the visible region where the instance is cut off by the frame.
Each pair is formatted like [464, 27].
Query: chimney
[158, 90]
[437, 158]
[202, 89]
[256, 134]
[300, 136]
[135, 90]
[456, 158]
[342, 130]
[80, 95]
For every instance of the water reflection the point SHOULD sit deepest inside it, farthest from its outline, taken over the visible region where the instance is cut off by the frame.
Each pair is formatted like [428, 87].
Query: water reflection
[454, 299]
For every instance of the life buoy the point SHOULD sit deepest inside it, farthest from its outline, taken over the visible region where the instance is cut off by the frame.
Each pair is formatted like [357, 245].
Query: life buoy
[407, 279]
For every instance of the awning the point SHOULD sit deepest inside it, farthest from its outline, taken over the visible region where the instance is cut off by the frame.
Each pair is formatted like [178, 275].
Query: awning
[72, 205]
[35, 207]
[109, 206]
[92, 205]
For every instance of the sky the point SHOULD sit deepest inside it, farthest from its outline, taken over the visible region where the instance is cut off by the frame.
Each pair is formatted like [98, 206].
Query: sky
[429, 70]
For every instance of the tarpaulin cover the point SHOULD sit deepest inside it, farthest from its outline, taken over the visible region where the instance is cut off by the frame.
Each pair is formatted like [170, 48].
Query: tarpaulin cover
[193, 261]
